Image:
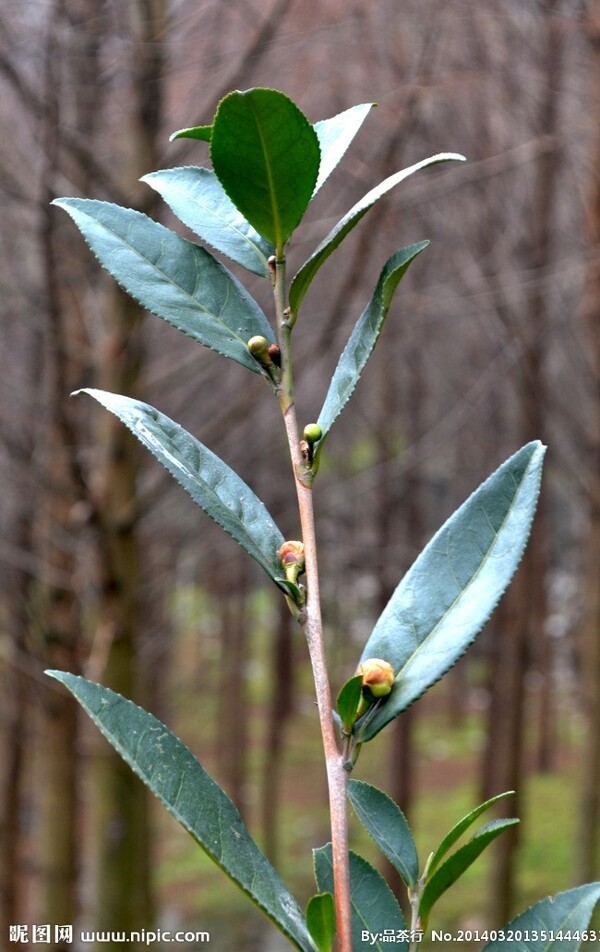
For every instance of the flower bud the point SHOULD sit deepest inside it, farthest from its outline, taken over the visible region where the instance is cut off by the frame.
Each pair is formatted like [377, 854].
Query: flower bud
[377, 675]
[274, 352]
[259, 348]
[312, 433]
[291, 555]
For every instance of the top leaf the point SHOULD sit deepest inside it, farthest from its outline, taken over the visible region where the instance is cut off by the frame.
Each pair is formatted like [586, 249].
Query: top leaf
[266, 155]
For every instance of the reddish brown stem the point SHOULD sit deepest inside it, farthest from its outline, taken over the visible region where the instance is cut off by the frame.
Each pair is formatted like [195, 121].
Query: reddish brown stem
[313, 628]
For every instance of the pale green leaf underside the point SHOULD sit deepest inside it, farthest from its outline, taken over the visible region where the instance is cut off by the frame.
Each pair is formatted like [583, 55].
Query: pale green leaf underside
[199, 200]
[374, 906]
[385, 822]
[363, 339]
[304, 277]
[568, 911]
[335, 135]
[213, 486]
[171, 277]
[456, 864]
[446, 597]
[178, 780]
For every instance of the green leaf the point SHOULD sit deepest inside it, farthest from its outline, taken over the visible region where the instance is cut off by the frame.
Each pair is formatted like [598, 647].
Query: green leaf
[446, 597]
[374, 906]
[266, 155]
[320, 920]
[193, 132]
[171, 277]
[363, 339]
[455, 865]
[213, 486]
[546, 926]
[198, 199]
[176, 778]
[335, 135]
[457, 831]
[385, 822]
[303, 279]
[348, 700]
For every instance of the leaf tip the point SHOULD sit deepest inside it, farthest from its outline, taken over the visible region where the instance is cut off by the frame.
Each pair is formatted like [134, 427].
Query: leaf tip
[57, 675]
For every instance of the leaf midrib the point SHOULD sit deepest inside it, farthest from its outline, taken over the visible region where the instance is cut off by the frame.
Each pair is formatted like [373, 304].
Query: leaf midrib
[271, 183]
[197, 304]
[473, 577]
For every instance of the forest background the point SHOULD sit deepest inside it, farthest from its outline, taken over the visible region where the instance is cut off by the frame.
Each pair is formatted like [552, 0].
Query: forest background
[106, 569]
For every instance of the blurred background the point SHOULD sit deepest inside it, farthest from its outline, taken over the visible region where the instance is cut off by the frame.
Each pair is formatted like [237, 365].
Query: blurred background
[107, 569]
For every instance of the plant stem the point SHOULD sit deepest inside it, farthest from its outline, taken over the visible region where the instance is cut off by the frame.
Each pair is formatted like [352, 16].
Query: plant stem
[337, 776]
[312, 623]
[415, 922]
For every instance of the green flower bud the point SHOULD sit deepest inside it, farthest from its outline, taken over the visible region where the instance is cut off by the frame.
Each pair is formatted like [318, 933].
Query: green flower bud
[312, 433]
[377, 675]
[259, 348]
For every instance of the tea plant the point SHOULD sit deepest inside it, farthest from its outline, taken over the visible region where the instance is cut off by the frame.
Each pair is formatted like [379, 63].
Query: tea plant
[268, 163]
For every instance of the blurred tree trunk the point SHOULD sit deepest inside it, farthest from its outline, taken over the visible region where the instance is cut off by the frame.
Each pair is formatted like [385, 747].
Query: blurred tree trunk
[15, 722]
[503, 757]
[56, 618]
[520, 638]
[280, 708]
[535, 399]
[398, 518]
[232, 715]
[587, 862]
[123, 895]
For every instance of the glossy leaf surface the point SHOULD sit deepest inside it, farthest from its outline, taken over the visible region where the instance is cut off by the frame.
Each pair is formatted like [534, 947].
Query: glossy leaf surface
[348, 700]
[544, 927]
[363, 339]
[335, 135]
[213, 486]
[374, 906]
[171, 277]
[303, 279]
[320, 920]
[385, 822]
[457, 831]
[179, 781]
[446, 597]
[193, 132]
[457, 863]
[266, 155]
[198, 199]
